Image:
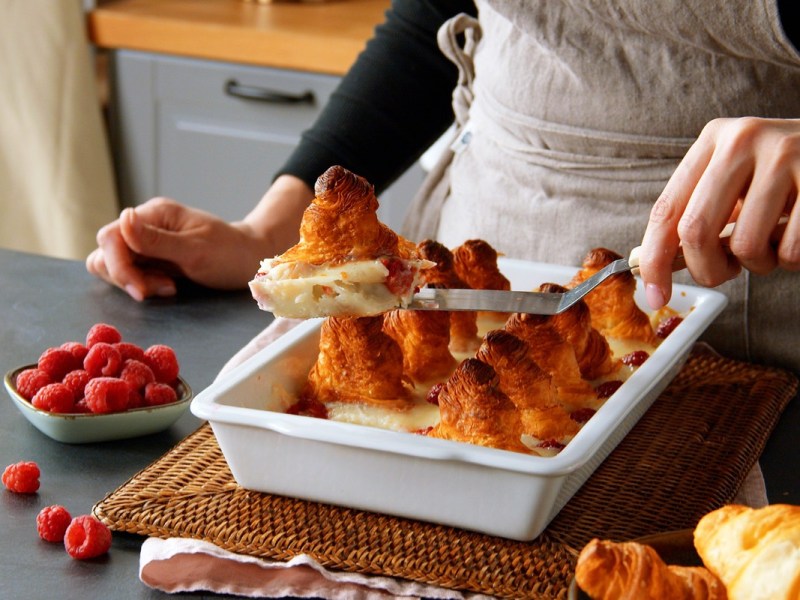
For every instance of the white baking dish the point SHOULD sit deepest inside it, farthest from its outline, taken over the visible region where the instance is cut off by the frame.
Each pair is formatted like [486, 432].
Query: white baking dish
[492, 491]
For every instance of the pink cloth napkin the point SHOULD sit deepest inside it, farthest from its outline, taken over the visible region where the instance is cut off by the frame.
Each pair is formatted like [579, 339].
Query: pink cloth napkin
[185, 565]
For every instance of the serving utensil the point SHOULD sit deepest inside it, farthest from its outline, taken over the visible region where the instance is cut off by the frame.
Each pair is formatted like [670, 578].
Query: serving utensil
[542, 303]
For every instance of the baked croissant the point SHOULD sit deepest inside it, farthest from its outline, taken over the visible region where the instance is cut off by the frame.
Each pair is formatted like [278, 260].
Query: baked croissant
[347, 263]
[424, 338]
[475, 262]
[614, 311]
[463, 324]
[528, 386]
[358, 362]
[473, 409]
[553, 354]
[575, 326]
[754, 551]
[631, 571]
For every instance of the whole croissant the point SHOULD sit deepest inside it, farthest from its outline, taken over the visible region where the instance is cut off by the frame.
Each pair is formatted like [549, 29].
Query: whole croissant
[632, 571]
[755, 552]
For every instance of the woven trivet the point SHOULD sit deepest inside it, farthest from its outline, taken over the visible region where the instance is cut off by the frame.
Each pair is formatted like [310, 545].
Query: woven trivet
[687, 455]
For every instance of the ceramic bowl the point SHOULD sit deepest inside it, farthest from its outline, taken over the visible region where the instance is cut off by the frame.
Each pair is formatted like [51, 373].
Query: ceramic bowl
[82, 428]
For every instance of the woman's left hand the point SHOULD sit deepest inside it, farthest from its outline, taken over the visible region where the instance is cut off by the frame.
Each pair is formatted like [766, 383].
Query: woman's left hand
[745, 170]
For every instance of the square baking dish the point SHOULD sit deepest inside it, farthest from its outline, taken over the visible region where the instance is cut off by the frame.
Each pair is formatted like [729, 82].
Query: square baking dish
[491, 491]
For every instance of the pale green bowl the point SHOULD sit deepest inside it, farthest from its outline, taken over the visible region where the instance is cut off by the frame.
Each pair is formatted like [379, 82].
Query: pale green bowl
[83, 428]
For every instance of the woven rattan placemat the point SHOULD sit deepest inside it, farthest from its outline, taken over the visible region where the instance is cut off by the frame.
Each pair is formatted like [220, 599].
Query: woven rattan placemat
[688, 455]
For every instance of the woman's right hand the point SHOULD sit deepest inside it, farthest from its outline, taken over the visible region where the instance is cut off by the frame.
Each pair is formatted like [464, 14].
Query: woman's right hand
[147, 247]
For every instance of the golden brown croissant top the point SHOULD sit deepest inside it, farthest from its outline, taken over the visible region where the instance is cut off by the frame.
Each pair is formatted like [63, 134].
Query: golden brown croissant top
[475, 262]
[341, 224]
[424, 338]
[614, 311]
[473, 409]
[528, 386]
[553, 354]
[358, 362]
[463, 324]
[575, 326]
[754, 551]
[632, 571]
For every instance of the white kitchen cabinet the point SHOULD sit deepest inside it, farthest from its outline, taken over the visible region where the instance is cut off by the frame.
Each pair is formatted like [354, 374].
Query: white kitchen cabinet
[190, 129]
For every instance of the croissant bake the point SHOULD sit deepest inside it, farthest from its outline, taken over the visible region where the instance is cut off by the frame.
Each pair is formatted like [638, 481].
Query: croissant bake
[475, 262]
[754, 551]
[347, 263]
[631, 571]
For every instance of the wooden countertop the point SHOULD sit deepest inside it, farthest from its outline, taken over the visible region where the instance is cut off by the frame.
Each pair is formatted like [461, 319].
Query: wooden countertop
[321, 37]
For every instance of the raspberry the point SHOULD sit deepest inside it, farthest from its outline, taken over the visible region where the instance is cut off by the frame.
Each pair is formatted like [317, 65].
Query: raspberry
[76, 381]
[22, 477]
[136, 374]
[308, 407]
[433, 394]
[101, 332]
[582, 415]
[606, 389]
[635, 358]
[54, 397]
[107, 395]
[554, 444]
[77, 350]
[668, 325]
[156, 394]
[57, 362]
[52, 523]
[163, 361]
[31, 381]
[82, 407]
[128, 350]
[86, 537]
[136, 399]
[102, 360]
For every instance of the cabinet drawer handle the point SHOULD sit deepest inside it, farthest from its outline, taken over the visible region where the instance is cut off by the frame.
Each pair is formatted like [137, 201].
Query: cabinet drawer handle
[250, 92]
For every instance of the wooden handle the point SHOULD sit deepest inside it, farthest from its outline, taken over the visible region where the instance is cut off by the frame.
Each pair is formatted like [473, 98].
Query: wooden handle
[679, 262]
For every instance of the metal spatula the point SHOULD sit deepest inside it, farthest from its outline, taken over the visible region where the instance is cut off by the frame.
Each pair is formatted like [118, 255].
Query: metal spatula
[535, 302]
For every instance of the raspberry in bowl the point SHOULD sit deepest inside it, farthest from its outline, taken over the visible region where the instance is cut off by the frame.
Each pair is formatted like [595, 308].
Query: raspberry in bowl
[103, 389]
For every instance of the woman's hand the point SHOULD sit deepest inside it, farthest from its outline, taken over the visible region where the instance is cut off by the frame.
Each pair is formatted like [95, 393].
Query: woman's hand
[745, 170]
[148, 246]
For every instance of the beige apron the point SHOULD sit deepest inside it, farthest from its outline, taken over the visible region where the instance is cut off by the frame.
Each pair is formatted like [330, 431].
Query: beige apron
[553, 153]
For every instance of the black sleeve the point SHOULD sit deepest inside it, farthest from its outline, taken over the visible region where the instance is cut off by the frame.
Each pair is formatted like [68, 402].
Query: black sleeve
[392, 104]
[790, 20]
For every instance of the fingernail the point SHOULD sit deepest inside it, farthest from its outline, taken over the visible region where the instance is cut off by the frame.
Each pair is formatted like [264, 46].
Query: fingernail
[134, 292]
[165, 290]
[655, 297]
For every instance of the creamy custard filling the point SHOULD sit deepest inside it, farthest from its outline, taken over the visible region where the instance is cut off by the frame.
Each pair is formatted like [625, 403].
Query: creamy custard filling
[357, 288]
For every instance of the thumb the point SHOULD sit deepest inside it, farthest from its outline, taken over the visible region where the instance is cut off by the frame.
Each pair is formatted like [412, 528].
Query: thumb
[143, 234]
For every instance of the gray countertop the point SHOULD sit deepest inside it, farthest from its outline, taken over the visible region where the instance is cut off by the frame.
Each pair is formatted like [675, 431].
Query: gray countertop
[46, 302]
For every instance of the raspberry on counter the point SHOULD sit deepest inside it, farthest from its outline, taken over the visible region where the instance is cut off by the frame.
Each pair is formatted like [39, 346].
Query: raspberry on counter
[86, 537]
[22, 477]
[52, 522]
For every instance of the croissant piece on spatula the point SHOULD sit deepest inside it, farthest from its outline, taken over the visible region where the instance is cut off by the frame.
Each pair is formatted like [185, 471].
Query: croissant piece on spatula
[358, 362]
[631, 571]
[754, 551]
[614, 311]
[347, 263]
[463, 324]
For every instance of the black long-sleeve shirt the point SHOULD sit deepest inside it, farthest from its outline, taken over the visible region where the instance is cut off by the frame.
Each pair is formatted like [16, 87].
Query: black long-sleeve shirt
[396, 99]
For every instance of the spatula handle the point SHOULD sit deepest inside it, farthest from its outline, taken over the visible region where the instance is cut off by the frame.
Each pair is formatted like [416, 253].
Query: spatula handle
[679, 262]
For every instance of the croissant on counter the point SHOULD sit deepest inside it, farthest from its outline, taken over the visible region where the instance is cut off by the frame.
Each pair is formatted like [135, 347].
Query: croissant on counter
[631, 571]
[754, 551]
[347, 263]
